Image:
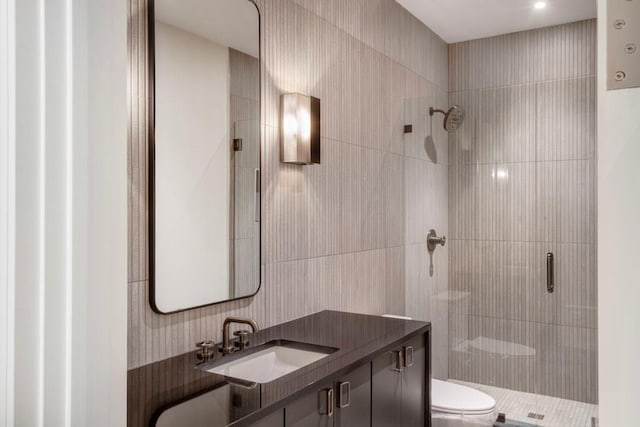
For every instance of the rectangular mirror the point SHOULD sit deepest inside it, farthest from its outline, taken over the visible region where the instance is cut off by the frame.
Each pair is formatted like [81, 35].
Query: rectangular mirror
[204, 152]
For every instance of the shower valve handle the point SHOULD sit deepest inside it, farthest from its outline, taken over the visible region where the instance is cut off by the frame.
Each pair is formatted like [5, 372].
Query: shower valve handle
[433, 240]
[438, 240]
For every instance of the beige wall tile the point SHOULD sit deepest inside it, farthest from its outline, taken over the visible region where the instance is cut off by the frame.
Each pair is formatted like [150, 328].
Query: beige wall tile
[566, 201]
[566, 126]
[561, 52]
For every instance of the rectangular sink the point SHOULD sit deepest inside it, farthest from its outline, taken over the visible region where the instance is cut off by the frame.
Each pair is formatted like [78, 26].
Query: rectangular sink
[270, 361]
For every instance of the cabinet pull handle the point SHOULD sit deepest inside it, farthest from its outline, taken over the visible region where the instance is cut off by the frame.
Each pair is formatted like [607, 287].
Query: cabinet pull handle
[330, 402]
[344, 400]
[326, 407]
[399, 361]
[408, 356]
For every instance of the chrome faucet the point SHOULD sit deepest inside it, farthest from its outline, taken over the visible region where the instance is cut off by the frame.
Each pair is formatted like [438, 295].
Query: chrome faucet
[227, 348]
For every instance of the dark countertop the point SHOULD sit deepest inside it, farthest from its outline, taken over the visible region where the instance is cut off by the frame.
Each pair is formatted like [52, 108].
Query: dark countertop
[155, 391]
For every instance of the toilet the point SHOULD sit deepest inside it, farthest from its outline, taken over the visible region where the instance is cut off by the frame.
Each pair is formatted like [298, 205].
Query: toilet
[454, 405]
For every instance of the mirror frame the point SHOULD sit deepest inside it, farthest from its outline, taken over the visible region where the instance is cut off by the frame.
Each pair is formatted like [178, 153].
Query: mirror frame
[151, 163]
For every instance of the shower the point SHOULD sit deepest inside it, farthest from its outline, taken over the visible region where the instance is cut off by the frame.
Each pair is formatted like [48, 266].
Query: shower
[453, 118]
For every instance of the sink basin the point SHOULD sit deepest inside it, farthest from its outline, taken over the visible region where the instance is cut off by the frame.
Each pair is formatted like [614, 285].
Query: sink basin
[270, 361]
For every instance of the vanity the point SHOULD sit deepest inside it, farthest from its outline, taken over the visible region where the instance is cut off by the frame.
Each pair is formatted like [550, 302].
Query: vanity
[373, 371]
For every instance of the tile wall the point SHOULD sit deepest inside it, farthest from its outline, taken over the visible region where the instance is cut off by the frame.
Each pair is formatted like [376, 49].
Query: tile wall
[334, 235]
[522, 182]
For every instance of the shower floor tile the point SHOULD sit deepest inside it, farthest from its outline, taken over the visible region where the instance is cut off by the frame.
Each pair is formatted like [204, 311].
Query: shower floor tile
[557, 412]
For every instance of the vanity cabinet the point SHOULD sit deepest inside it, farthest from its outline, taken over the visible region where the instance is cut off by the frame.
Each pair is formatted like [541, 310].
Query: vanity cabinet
[343, 402]
[390, 391]
[399, 380]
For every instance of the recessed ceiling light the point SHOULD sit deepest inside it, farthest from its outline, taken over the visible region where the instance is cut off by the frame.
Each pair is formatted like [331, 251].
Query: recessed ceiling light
[540, 4]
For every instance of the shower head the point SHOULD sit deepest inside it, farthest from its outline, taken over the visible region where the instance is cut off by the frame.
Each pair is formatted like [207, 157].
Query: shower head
[453, 118]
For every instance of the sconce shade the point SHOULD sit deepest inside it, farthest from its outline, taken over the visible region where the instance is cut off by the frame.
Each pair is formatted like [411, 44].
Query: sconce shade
[299, 129]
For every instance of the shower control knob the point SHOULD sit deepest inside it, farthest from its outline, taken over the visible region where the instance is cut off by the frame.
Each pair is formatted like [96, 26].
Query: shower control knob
[433, 240]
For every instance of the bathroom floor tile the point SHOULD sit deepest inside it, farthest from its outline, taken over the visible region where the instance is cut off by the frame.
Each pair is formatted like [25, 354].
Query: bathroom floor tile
[557, 412]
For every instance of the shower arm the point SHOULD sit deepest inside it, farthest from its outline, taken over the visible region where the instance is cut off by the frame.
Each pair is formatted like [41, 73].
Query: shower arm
[432, 111]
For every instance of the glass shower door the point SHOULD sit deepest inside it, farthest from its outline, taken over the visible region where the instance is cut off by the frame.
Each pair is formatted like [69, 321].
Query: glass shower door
[522, 189]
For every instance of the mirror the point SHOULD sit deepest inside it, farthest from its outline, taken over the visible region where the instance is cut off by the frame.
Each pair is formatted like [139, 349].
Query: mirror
[223, 405]
[204, 152]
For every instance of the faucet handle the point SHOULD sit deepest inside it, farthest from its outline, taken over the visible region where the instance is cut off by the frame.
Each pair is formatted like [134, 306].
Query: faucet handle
[243, 338]
[433, 240]
[206, 350]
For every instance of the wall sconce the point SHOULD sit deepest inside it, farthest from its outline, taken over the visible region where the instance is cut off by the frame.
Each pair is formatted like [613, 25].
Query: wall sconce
[300, 129]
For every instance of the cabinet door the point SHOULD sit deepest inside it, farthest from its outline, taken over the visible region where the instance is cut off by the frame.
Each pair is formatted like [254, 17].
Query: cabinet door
[313, 410]
[386, 391]
[275, 419]
[353, 398]
[414, 379]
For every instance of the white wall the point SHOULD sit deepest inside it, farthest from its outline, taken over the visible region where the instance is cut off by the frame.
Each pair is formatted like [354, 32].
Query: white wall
[618, 245]
[100, 214]
[7, 247]
[68, 335]
[193, 161]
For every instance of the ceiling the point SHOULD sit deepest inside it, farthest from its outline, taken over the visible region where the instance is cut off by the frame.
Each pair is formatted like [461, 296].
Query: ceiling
[229, 23]
[460, 20]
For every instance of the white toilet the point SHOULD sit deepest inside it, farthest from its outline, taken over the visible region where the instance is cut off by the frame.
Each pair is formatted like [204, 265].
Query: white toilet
[454, 405]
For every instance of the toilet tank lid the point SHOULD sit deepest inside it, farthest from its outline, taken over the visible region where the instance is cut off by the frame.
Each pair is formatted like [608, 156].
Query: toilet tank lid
[458, 399]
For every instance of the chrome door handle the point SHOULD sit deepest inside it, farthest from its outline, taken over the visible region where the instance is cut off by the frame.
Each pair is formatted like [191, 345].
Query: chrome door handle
[344, 398]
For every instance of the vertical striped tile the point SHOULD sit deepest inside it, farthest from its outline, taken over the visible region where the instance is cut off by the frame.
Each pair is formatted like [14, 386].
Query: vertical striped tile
[566, 127]
[561, 52]
[566, 204]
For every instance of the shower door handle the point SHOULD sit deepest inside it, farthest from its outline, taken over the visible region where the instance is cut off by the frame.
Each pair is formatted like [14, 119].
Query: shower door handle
[550, 281]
